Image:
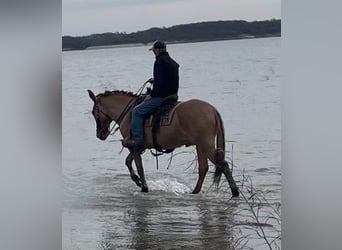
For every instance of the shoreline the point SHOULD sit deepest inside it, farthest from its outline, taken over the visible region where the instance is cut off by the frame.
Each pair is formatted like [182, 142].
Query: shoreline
[128, 45]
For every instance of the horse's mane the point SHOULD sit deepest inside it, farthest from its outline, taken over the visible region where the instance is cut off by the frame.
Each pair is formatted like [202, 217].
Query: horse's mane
[117, 92]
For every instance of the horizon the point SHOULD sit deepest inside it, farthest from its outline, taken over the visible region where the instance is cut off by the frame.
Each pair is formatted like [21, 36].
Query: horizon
[82, 17]
[161, 27]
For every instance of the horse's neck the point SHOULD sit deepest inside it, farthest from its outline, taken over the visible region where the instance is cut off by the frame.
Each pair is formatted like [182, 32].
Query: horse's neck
[116, 105]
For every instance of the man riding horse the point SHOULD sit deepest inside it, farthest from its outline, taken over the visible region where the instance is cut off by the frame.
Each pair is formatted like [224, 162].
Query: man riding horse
[193, 122]
[165, 83]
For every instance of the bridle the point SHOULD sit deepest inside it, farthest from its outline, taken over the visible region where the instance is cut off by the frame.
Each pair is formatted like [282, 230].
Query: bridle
[124, 112]
[96, 115]
[122, 115]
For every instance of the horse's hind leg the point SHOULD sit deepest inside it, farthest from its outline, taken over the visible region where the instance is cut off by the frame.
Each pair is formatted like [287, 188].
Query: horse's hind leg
[217, 157]
[134, 177]
[138, 163]
[230, 179]
[202, 168]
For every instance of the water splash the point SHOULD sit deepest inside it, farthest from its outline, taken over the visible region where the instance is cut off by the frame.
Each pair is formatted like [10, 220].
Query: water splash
[168, 185]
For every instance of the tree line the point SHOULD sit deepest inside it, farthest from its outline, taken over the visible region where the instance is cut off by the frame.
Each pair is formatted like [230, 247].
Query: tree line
[203, 31]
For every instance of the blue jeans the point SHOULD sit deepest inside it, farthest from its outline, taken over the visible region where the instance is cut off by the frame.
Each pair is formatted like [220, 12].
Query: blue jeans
[139, 113]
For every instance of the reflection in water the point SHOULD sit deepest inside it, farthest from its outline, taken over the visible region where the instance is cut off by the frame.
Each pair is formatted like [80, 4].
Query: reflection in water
[216, 225]
[150, 222]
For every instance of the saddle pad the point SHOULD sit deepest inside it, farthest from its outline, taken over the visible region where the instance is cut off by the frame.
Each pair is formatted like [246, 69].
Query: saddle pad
[165, 118]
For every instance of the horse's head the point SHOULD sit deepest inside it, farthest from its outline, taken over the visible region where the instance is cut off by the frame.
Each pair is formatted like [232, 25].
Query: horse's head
[102, 118]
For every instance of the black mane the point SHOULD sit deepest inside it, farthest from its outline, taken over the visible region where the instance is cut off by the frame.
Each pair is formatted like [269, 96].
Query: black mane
[139, 99]
[118, 92]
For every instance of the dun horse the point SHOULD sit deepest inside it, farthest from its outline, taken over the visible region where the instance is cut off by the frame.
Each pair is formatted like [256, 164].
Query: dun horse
[194, 122]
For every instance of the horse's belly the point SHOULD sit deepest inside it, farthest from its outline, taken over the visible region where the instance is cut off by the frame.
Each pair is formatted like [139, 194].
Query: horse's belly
[167, 137]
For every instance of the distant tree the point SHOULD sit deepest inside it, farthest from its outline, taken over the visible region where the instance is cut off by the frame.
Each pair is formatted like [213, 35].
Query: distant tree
[204, 31]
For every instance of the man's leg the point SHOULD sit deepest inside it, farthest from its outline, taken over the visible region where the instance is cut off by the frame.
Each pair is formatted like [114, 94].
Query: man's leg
[138, 114]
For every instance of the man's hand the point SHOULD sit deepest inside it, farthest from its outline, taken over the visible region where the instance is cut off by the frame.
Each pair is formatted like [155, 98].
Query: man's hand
[148, 90]
[147, 97]
[151, 80]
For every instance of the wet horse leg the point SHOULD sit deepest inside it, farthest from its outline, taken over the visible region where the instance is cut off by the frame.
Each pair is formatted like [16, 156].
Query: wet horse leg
[134, 177]
[217, 158]
[229, 177]
[139, 165]
[202, 168]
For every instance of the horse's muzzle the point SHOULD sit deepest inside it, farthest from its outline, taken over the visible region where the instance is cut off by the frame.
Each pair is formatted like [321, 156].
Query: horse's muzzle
[102, 135]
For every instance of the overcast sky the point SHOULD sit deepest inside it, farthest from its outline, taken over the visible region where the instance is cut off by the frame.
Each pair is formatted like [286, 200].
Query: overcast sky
[85, 17]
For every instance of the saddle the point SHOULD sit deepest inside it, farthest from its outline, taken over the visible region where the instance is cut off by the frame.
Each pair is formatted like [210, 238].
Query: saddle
[162, 116]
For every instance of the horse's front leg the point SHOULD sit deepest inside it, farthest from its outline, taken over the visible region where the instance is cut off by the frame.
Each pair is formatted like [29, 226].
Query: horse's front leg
[138, 163]
[134, 177]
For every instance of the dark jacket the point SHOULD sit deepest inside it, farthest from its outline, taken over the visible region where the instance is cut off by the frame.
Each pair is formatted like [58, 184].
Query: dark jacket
[165, 74]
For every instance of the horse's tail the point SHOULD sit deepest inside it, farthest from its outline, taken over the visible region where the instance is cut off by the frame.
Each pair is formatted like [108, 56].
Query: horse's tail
[220, 147]
[220, 137]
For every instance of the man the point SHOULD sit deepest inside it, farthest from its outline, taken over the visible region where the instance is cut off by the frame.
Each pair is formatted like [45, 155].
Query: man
[165, 83]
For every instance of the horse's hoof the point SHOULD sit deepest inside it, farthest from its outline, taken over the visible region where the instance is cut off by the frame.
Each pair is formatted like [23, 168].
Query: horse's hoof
[235, 193]
[144, 189]
[136, 179]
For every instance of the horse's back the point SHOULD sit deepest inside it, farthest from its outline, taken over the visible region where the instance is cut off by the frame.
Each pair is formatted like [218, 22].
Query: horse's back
[195, 107]
[196, 115]
[193, 122]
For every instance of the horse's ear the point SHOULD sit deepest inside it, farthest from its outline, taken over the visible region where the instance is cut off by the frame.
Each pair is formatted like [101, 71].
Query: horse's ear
[91, 95]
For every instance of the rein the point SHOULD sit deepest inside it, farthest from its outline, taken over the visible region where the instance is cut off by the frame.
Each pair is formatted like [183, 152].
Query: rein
[126, 109]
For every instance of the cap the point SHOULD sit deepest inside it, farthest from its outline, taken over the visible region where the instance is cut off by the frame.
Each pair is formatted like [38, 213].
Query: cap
[158, 45]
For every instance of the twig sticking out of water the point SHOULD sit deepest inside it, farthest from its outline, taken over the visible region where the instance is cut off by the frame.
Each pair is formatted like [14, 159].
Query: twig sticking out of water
[189, 163]
[241, 242]
[170, 160]
[257, 204]
[232, 158]
[256, 216]
[257, 211]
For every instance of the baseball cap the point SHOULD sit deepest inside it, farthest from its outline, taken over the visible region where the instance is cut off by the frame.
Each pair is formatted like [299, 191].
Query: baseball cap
[158, 45]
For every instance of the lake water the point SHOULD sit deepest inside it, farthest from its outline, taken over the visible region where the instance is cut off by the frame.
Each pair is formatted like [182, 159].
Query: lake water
[104, 209]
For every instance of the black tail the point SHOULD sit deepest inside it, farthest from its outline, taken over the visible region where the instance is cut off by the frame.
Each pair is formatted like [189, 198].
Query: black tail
[220, 148]
[220, 136]
[221, 164]
[223, 167]
[219, 159]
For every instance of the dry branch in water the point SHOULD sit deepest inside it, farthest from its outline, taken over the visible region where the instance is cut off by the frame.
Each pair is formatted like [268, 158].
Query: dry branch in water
[263, 218]
[260, 220]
